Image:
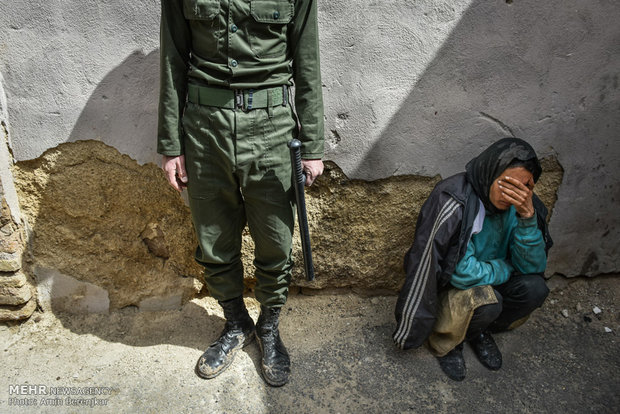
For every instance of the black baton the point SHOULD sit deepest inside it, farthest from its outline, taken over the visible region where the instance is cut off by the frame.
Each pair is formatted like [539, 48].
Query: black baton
[299, 180]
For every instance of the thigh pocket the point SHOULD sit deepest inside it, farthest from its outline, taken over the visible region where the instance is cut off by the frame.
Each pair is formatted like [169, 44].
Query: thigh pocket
[198, 136]
[276, 132]
[268, 29]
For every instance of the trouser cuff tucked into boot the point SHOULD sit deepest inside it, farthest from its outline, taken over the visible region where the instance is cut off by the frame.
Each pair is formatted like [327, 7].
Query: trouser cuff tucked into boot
[275, 363]
[238, 332]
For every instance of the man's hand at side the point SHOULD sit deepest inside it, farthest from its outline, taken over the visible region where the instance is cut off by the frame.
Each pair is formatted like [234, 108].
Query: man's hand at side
[312, 169]
[174, 168]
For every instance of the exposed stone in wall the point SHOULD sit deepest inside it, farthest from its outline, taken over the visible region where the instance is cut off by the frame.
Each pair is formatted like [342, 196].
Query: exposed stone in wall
[547, 186]
[90, 210]
[16, 292]
[361, 230]
[11, 241]
[18, 313]
[410, 88]
[98, 218]
[17, 299]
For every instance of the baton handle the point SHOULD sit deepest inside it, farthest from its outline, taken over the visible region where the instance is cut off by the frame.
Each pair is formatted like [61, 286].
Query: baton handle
[299, 180]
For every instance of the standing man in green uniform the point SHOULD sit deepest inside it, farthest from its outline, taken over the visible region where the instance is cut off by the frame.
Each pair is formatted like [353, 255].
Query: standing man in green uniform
[225, 118]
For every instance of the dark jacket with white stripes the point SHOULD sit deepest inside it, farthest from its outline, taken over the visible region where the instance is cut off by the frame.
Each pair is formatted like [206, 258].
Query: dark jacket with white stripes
[442, 232]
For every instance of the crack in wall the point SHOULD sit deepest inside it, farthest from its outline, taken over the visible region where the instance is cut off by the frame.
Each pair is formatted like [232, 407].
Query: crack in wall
[502, 125]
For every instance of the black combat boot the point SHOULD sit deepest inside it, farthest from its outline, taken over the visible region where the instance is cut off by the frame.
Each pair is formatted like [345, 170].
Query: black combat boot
[238, 332]
[453, 363]
[275, 363]
[487, 351]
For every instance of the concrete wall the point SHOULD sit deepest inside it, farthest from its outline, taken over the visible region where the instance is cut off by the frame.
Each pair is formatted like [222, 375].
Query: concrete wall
[81, 70]
[17, 299]
[411, 87]
[7, 187]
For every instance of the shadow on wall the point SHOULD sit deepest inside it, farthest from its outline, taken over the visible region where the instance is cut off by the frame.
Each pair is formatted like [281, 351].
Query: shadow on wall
[91, 207]
[98, 217]
[122, 111]
[113, 242]
[505, 70]
[543, 71]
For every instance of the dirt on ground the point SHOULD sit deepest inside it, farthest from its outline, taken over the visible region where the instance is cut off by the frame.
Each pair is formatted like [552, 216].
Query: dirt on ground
[564, 359]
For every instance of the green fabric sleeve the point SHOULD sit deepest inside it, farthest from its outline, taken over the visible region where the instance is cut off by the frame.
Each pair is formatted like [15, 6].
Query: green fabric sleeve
[304, 44]
[174, 57]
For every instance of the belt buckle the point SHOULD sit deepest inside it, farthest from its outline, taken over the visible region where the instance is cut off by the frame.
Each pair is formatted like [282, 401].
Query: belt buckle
[239, 101]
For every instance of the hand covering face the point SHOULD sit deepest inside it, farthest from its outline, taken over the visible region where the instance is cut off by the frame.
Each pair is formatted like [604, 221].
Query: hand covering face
[486, 167]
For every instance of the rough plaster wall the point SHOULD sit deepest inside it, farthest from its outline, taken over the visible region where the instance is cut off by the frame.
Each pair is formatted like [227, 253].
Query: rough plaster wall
[7, 187]
[411, 88]
[17, 299]
[79, 69]
[99, 217]
[443, 79]
[361, 230]
[11, 241]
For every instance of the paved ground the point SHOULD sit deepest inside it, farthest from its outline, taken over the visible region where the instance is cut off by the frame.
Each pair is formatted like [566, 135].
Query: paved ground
[343, 361]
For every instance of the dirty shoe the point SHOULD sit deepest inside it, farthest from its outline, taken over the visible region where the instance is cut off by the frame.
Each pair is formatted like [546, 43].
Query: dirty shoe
[453, 364]
[238, 332]
[487, 351]
[275, 362]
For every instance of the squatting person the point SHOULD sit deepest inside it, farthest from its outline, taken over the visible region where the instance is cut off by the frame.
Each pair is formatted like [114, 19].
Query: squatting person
[477, 261]
[225, 117]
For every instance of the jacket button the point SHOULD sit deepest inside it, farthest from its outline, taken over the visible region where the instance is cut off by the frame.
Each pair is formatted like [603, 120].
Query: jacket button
[276, 14]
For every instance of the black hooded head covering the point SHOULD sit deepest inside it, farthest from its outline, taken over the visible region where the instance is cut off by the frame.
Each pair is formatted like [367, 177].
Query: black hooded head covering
[486, 167]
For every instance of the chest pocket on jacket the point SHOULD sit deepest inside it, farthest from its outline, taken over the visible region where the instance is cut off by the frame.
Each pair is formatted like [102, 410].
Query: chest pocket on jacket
[204, 21]
[268, 33]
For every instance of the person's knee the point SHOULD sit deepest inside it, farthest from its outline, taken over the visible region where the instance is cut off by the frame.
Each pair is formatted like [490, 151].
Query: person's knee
[483, 317]
[486, 314]
[536, 290]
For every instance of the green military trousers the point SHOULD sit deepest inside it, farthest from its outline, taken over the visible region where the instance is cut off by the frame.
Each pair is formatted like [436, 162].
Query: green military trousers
[239, 172]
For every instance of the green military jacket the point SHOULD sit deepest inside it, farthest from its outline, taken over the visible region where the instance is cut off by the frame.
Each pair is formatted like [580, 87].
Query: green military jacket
[240, 44]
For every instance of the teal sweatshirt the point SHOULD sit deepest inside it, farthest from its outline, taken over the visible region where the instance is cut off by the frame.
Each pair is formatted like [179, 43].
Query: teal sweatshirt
[505, 245]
